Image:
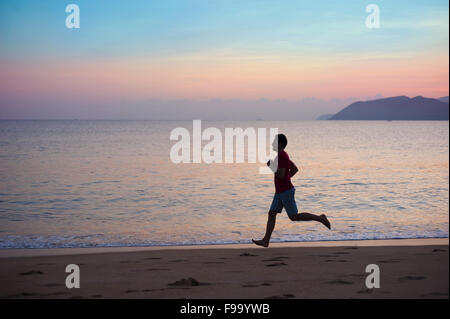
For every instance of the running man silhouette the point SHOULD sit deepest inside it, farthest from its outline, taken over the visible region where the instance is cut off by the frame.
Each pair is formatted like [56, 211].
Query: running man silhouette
[285, 192]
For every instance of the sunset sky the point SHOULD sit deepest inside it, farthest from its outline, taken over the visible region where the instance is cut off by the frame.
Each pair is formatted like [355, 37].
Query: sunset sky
[133, 52]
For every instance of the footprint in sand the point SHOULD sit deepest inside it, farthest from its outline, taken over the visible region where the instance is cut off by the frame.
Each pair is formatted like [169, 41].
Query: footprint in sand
[31, 272]
[256, 285]
[276, 265]
[389, 261]
[276, 258]
[53, 285]
[411, 278]
[189, 282]
[340, 282]
[130, 291]
[157, 269]
[366, 291]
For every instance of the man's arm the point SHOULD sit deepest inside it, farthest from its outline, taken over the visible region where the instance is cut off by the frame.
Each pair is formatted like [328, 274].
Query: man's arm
[279, 173]
[293, 169]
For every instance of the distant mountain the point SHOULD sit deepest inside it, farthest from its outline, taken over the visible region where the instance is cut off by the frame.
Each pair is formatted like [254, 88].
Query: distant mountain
[396, 108]
[324, 117]
[443, 99]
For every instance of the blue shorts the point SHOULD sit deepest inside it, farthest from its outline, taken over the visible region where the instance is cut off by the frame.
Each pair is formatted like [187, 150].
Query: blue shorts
[285, 200]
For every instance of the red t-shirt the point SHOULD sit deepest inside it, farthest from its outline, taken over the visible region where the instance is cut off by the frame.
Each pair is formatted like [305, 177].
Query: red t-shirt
[283, 184]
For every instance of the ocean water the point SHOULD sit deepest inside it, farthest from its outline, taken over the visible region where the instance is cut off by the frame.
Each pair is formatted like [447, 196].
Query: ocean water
[112, 183]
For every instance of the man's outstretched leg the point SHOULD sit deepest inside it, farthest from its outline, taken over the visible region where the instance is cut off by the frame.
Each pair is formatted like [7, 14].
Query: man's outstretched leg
[307, 217]
[269, 229]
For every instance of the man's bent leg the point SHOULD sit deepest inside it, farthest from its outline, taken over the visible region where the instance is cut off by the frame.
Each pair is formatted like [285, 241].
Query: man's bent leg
[307, 217]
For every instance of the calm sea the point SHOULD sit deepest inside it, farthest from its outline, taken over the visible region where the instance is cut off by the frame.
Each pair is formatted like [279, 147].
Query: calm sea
[111, 183]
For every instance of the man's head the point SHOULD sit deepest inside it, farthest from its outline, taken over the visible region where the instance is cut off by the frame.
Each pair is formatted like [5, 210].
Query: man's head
[282, 142]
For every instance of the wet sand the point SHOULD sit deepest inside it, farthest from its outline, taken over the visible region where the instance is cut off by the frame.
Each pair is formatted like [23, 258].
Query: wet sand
[408, 269]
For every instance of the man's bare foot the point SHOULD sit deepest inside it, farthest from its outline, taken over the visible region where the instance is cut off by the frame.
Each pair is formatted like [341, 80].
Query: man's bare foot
[261, 243]
[325, 221]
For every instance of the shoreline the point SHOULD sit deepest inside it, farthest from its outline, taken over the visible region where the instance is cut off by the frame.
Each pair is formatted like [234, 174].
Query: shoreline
[412, 268]
[42, 252]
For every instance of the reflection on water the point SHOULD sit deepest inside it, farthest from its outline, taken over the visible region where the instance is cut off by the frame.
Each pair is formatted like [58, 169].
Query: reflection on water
[88, 183]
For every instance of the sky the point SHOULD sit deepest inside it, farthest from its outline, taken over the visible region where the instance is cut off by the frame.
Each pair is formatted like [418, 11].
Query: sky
[180, 59]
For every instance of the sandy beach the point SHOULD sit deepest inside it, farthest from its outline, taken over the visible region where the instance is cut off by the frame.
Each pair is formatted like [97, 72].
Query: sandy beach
[408, 269]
